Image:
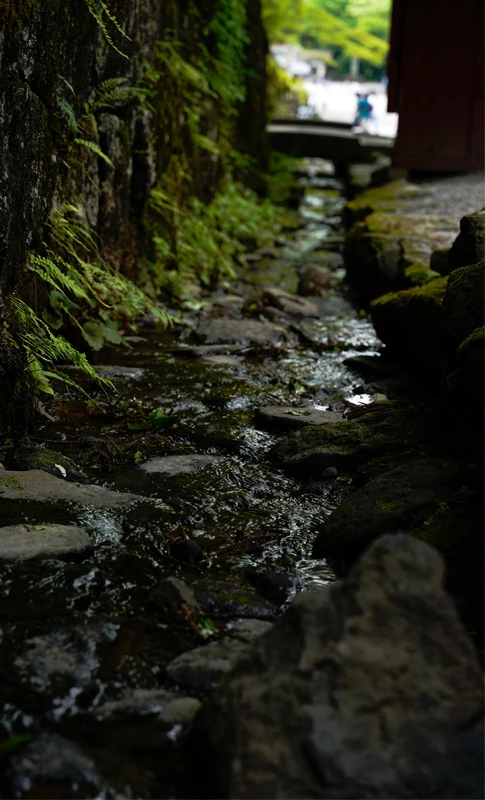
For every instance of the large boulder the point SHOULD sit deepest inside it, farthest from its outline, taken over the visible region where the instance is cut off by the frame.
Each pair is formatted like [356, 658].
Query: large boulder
[398, 499]
[409, 323]
[346, 444]
[469, 245]
[463, 305]
[366, 688]
[391, 251]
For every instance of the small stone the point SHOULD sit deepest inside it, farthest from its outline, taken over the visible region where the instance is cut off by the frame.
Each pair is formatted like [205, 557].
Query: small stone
[180, 711]
[187, 551]
[54, 765]
[240, 331]
[291, 304]
[201, 669]
[23, 542]
[110, 371]
[314, 280]
[291, 418]
[178, 465]
[220, 599]
[135, 702]
[174, 592]
[248, 629]
[330, 472]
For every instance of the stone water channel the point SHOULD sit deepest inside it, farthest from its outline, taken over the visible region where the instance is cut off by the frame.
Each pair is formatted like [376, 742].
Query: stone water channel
[105, 657]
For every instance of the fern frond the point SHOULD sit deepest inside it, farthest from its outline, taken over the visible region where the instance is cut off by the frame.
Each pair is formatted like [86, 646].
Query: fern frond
[44, 348]
[68, 111]
[97, 8]
[95, 148]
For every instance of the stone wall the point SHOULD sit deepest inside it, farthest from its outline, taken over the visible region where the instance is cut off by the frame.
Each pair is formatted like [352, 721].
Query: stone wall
[53, 57]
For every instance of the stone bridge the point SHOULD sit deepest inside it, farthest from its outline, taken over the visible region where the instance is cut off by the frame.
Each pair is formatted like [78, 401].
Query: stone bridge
[333, 141]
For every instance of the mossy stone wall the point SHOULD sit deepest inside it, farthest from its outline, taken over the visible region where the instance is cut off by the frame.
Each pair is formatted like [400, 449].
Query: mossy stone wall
[53, 53]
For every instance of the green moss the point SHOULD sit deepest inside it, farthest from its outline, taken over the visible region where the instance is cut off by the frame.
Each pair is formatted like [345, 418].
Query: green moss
[433, 291]
[473, 342]
[419, 274]
[11, 482]
[17, 10]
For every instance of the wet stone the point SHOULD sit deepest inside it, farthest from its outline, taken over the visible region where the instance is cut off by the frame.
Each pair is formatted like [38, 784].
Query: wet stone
[290, 418]
[220, 599]
[23, 542]
[187, 551]
[201, 669]
[314, 280]
[245, 630]
[40, 486]
[276, 585]
[244, 331]
[169, 707]
[63, 659]
[52, 766]
[394, 501]
[374, 366]
[27, 458]
[344, 444]
[291, 304]
[173, 592]
[111, 371]
[222, 361]
[178, 465]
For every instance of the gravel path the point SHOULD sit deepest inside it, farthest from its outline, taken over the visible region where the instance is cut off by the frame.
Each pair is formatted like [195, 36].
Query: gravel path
[456, 195]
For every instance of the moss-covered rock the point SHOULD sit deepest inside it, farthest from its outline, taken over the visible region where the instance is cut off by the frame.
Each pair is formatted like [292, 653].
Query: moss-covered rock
[469, 246]
[348, 443]
[392, 251]
[394, 501]
[27, 458]
[409, 323]
[395, 196]
[463, 305]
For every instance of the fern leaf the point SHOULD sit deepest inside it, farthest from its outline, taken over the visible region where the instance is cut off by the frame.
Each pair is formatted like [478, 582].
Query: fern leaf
[96, 149]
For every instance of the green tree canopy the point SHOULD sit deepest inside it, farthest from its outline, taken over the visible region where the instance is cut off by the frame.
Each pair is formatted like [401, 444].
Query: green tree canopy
[355, 28]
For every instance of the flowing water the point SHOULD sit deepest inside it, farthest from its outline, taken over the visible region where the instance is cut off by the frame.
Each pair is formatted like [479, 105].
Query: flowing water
[76, 635]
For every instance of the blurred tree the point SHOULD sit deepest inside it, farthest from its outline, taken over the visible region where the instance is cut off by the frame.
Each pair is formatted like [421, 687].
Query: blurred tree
[352, 29]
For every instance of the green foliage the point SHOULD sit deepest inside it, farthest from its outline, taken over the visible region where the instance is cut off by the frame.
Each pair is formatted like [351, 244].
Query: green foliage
[44, 350]
[228, 68]
[87, 291]
[95, 148]
[115, 92]
[208, 239]
[103, 16]
[354, 28]
[207, 627]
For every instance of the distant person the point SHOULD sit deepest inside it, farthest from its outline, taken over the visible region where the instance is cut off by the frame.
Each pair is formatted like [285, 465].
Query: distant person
[364, 118]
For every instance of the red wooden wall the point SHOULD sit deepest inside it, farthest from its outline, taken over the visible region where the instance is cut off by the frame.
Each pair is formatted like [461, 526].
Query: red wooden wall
[436, 84]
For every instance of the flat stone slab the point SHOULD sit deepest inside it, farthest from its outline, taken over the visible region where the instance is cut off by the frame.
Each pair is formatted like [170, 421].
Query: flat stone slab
[240, 331]
[42, 487]
[170, 708]
[178, 465]
[291, 304]
[111, 371]
[290, 418]
[22, 542]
